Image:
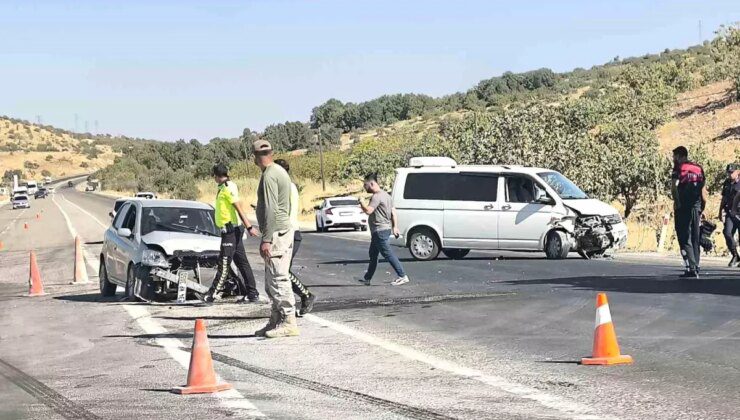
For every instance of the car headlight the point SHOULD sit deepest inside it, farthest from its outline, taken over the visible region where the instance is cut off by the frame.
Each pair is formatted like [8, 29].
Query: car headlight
[154, 258]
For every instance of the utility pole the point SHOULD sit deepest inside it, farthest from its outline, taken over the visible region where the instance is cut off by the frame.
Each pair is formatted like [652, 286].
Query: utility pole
[321, 159]
[77, 119]
[701, 39]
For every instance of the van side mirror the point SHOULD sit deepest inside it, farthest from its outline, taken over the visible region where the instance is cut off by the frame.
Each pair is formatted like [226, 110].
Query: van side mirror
[543, 198]
[317, 207]
[124, 232]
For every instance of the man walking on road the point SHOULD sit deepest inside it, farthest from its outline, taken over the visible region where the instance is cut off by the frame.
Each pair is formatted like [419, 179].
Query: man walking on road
[729, 190]
[383, 221]
[690, 198]
[307, 298]
[276, 248]
[229, 218]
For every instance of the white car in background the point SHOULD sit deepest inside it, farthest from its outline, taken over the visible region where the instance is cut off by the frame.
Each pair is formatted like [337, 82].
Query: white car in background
[340, 212]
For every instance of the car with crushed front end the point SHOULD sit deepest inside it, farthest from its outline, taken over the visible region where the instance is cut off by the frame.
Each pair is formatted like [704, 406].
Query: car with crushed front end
[151, 242]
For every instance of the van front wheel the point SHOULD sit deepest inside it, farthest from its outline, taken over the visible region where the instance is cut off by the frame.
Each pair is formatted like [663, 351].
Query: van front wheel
[557, 246]
[424, 245]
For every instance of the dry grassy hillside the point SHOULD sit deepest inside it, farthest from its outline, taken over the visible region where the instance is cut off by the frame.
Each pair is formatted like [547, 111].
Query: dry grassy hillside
[35, 149]
[709, 116]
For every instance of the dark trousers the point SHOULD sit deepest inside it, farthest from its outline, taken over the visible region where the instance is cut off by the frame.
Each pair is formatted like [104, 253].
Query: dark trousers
[379, 245]
[298, 288]
[232, 249]
[688, 222]
[731, 228]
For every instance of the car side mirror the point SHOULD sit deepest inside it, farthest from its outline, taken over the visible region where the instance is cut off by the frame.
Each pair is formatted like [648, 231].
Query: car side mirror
[543, 198]
[317, 207]
[111, 214]
[124, 232]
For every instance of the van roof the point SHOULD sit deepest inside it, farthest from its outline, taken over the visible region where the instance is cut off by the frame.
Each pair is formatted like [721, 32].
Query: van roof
[477, 168]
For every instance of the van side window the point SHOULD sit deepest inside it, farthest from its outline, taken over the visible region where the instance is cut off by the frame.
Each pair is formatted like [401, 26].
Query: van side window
[120, 216]
[425, 186]
[520, 189]
[472, 187]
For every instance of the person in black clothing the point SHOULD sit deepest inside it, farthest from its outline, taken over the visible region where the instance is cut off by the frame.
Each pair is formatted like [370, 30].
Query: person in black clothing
[689, 200]
[731, 224]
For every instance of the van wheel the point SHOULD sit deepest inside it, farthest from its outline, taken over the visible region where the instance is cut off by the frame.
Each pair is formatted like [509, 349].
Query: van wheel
[107, 289]
[424, 245]
[557, 246]
[455, 253]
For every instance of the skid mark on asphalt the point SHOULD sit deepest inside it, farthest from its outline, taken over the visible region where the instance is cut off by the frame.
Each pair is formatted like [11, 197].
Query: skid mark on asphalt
[344, 304]
[332, 391]
[570, 408]
[52, 399]
[231, 399]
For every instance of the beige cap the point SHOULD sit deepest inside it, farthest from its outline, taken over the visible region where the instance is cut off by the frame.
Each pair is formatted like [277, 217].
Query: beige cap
[261, 146]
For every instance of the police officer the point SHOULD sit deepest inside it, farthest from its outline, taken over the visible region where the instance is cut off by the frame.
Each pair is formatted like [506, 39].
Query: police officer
[729, 190]
[689, 201]
[229, 218]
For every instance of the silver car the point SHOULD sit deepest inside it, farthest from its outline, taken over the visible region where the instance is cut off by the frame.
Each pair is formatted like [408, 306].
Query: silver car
[147, 237]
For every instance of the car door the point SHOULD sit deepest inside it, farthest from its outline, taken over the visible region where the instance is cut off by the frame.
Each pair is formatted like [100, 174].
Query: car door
[127, 246]
[522, 221]
[113, 242]
[471, 210]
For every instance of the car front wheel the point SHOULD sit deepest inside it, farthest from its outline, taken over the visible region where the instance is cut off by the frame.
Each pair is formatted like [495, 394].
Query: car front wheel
[423, 245]
[107, 288]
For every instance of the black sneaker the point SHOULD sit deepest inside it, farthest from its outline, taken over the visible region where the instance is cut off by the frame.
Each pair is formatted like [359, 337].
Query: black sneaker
[691, 274]
[247, 300]
[734, 261]
[307, 304]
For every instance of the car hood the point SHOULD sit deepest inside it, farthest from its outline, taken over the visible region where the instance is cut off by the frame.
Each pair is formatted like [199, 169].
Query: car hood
[180, 241]
[591, 207]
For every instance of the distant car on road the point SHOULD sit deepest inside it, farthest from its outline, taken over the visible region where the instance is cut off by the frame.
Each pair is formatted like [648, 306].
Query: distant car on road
[146, 194]
[150, 235]
[70, 184]
[340, 212]
[51, 190]
[41, 193]
[20, 201]
[89, 188]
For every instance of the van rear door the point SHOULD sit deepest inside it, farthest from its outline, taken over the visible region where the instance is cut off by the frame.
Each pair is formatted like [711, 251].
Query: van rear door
[471, 211]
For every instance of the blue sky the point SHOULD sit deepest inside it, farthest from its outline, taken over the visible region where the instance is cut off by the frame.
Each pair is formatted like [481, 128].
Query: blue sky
[202, 69]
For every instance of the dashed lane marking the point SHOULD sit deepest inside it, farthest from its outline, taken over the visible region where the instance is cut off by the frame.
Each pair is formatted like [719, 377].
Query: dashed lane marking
[89, 258]
[570, 408]
[12, 222]
[103, 225]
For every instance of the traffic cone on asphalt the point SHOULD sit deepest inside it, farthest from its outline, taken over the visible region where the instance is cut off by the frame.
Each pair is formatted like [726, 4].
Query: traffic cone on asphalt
[80, 269]
[38, 216]
[25, 226]
[2, 245]
[201, 376]
[606, 349]
[35, 285]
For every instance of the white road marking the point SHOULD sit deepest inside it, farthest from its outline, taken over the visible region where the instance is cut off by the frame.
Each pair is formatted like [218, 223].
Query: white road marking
[232, 398]
[571, 408]
[103, 225]
[12, 222]
[88, 258]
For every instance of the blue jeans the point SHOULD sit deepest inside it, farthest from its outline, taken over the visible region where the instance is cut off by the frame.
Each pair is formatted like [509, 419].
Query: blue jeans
[379, 245]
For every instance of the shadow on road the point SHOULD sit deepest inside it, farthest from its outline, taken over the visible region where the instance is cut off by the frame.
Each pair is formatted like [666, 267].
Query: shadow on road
[210, 318]
[440, 258]
[710, 283]
[89, 298]
[178, 335]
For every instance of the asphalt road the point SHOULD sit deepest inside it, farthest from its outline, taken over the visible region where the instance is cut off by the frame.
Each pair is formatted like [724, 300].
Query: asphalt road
[496, 335]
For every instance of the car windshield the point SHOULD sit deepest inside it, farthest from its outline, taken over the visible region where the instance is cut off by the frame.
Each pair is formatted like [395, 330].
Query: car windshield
[565, 188]
[344, 202]
[177, 219]
[20, 198]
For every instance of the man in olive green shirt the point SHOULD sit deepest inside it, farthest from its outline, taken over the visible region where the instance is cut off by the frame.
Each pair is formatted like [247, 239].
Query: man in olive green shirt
[229, 216]
[273, 216]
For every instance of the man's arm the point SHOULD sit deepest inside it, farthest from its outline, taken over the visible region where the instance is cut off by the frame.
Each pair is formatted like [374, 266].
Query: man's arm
[735, 201]
[371, 206]
[242, 215]
[704, 197]
[394, 222]
[271, 202]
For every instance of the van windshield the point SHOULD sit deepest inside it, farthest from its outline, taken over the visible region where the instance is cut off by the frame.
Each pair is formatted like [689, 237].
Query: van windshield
[565, 188]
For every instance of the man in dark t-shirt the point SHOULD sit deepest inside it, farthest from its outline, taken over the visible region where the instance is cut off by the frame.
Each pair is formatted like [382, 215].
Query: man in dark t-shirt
[689, 199]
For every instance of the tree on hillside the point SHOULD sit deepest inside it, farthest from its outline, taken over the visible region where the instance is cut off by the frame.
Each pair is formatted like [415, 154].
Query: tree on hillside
[290, 135]
[330, 113]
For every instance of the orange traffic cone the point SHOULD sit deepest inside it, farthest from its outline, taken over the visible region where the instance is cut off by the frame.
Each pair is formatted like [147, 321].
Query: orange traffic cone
[35, 286]
[606, 349]
[80, 270]
[25, 226]
[2, 245]
[201, 376]
[38, 216]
